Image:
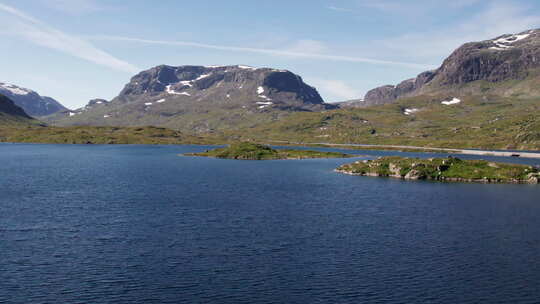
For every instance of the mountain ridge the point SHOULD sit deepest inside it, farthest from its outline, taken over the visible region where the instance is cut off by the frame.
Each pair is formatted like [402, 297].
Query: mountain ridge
[496, 62]
[203, 98]
[30, 101]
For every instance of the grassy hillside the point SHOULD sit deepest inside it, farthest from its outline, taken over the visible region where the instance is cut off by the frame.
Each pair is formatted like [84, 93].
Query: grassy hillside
[7, 120]
[188, 116]
[487, 122]
[97, 135]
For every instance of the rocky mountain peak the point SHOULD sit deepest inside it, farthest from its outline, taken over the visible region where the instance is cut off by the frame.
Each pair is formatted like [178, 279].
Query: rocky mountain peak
[31, 102]
[264, 87]
[203, 99]
[507, 57]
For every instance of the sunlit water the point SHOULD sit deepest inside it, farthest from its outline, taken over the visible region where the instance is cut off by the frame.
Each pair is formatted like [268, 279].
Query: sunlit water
[140, 224]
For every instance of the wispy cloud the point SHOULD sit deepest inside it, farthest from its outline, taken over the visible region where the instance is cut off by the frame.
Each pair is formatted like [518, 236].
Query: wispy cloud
[273, 52]
[20, 25]
[337, 88]
[308, 45]
[340, 9]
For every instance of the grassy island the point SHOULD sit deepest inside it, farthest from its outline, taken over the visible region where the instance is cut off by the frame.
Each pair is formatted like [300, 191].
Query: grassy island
[444, 169]
[251, 151]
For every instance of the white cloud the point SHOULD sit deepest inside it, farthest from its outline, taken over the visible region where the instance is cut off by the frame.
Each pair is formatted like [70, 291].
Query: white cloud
[311, 46]
[20, 25]
[273, 52]
[335, 88]
[340, 9]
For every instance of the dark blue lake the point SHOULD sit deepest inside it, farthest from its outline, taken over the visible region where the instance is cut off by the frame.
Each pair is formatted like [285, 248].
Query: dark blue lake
[140, 224]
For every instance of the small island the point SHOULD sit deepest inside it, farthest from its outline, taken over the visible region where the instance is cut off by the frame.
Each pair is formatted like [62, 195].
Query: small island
[449, 169]
[251, 151]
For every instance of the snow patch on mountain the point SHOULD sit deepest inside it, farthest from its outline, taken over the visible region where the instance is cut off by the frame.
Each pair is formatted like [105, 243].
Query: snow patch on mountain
[202, 76]
[505, 43]
[246, 67]
[451, 102]
[410, 111]
[186, 83]
[14, 89]
[171, 91]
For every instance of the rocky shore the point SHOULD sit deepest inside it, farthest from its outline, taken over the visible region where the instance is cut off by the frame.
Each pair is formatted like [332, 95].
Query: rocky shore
[443, 169]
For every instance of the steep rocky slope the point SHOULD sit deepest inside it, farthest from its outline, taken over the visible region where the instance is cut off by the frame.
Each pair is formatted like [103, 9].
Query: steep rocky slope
[203, 99]
[32, 103]
[10, 113]
[505, 66]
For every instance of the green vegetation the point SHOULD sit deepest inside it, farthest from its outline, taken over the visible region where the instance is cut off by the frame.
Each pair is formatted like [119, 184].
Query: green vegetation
[188, 116]
[481, 122]
[97, 135]
[251, 151]
[444, 169]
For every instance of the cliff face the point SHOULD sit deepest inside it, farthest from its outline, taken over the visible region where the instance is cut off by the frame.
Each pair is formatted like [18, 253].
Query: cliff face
[252, 86]
[10, 113]
[508, 57]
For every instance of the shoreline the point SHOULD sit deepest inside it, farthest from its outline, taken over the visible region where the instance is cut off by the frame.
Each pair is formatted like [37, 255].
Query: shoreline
[449, 169]
[517, 154]
[399, 148]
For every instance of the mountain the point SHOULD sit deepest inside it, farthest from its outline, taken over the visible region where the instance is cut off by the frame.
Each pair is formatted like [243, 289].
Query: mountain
[10, 113]
[203, 99]
[485, 95]
[508, 65]
[33, 104]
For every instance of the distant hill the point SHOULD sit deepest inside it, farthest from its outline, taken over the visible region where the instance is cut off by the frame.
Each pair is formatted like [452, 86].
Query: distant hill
[508, 65]
[203, 99]
[32, 103]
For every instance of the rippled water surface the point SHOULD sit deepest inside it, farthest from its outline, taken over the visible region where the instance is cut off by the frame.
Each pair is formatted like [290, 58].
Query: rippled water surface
[140, 224]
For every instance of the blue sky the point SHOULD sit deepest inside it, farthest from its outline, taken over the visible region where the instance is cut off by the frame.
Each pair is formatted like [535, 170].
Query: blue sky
[76, 50]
